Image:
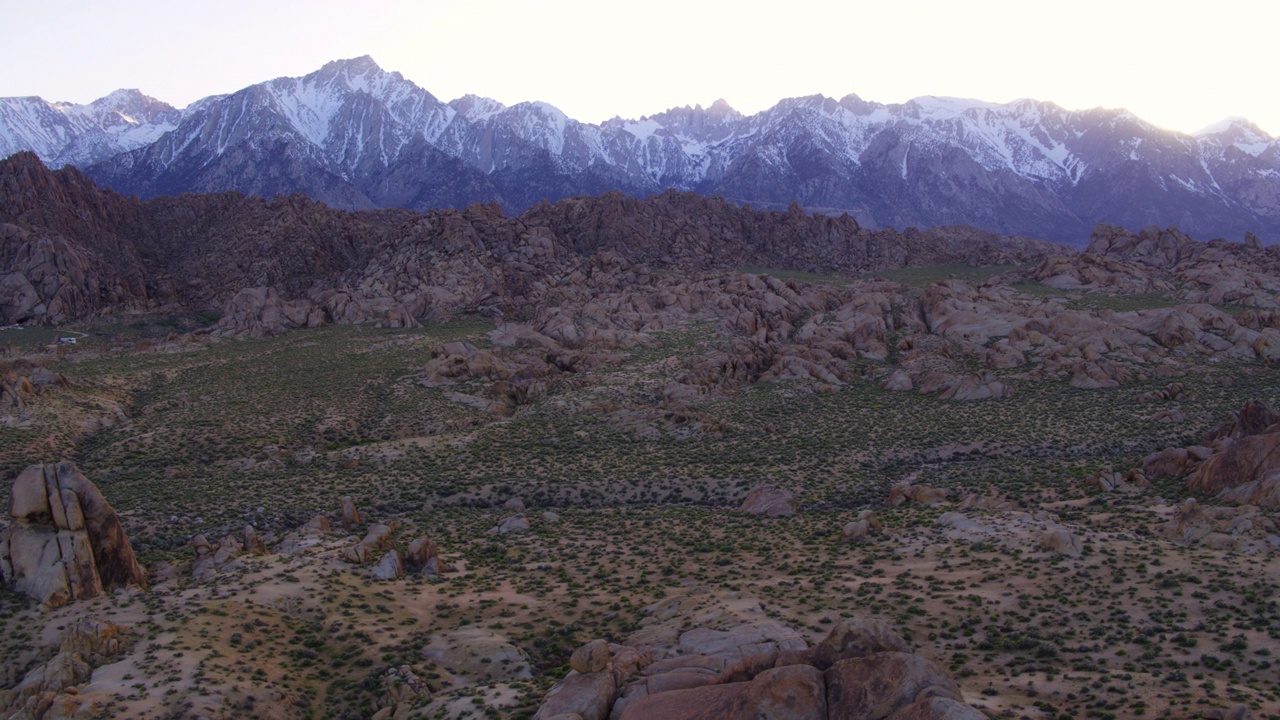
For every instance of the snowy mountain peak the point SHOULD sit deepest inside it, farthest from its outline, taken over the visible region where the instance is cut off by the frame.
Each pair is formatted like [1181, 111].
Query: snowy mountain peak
[721, 109]
[474, 108]
[1235, 128]
[66, 133]
[1235, 132]
[356, 135]
[943, 108]
[856, 105]
[130, 106]
[362, 65]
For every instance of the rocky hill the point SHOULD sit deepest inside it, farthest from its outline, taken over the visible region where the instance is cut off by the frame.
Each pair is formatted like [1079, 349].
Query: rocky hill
[73, 250]
[358, 137]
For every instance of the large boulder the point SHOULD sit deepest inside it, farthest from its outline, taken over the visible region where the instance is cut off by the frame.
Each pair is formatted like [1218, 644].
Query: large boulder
[794, 692]
[1252, 419]
[64, 541]
[513, 524]
[585, 695]
[351, 517]
[856, 637]
[389, 567]
[770, 501]
[877, 686]
[378, 537]
[937, 708]
[864, 526]
[590, 658]
[1061, 541]
[1170, 462]
[212, 559]
[260, 312]
[253, 542]
[1244, 460]
[923, 494]
[423, 556]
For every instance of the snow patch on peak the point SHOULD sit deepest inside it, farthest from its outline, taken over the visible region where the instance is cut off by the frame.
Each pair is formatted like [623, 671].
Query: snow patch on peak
[358, 66]
[543, 123]
[474, 108]
[551, 111]
[642, 129]
[1237, 132]
[1226, 125]
[939, 106]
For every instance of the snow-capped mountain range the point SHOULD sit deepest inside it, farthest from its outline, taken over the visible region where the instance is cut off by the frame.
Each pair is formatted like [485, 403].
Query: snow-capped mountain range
[356, 136]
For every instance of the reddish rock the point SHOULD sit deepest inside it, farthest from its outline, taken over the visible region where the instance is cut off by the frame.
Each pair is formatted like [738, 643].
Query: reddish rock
[770, 501]
[590, 658]
[423, 556]
[588, 695]
[876, 686]
[1061, 541]
[351, 517]
[938, 708]
[795, 692]
[856, 637]
[692, 704]
[1170, 462]
[1244, 460]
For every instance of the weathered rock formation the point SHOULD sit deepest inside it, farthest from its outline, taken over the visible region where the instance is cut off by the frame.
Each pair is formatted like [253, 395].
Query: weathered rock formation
[389, 567]
[1242, 529]
[64, 541]
[401, 688]
[1108, 480]
[770, 501]
[922, 494]
[351, 517]
[1156, 260]
[512, 524]
[1061, 541]
[423, 556]
[861, 528]
[862, 669]
[73, 251]
[216, 557]
[1239, 462]
[49, 690]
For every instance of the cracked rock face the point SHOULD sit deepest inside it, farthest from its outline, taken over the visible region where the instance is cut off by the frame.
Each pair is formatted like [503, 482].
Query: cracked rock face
[64, 541]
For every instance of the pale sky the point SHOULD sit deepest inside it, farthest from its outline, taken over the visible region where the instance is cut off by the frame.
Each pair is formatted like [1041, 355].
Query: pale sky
[1181, 64]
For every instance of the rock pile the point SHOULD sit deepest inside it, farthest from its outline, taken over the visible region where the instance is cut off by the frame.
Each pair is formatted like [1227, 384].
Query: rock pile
[1239, 462]
[862, 669]
[401, 688]
[863, 527]
[50, 690]
[1134, 481]
[64, 541]
[214, 558]
[922, 494]
[1242, 529]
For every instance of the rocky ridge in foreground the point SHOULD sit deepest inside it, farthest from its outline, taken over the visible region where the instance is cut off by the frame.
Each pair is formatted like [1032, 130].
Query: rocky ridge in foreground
[73, 251]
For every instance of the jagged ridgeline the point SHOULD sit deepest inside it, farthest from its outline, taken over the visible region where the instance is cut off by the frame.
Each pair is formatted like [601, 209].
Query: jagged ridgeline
[358, 137]
[72, 250]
